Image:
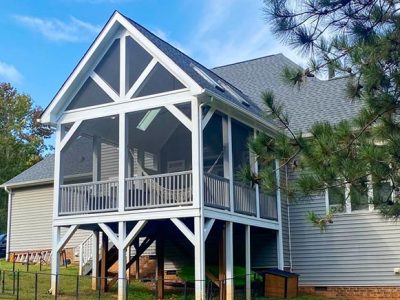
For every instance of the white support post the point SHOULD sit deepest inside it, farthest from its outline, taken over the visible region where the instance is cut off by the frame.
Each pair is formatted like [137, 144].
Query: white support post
[256, 170]
[279, 236]
[248, 262]
[55, 260]
[122, 66]
[230, 163]
[123, 132]
[199, 259]
[207, 117]
[95, 260]
[122, 295]
[197, 149]
[96, 158]
[230, 285]
[58, 170]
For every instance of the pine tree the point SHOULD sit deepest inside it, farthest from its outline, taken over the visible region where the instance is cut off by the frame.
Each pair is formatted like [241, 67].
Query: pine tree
[360, 40]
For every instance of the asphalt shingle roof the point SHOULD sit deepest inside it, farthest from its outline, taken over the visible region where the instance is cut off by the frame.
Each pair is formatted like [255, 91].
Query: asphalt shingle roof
[316, 100]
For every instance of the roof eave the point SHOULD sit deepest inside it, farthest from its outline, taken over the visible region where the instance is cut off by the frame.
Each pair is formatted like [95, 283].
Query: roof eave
[271, 128]
[27, 183]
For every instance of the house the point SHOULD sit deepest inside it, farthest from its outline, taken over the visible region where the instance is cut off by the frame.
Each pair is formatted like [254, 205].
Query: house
[149, 143]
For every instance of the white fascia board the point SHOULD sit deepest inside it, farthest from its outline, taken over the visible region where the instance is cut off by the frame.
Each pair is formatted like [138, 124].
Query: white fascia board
[28, 183]
[50, 113]
[162, 58]
[257, 121]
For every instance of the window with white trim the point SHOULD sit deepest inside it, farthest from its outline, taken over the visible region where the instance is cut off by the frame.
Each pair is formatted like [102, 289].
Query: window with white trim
[351, 199]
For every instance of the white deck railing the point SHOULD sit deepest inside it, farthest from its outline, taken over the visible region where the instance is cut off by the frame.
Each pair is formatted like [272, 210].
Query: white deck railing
[216, 191]
[173, 189]
[268, 206]
[100, 196]
[244, 199]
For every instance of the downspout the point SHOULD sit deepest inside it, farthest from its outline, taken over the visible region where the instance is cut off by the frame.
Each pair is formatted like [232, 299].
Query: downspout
[8, 222]
[288, 217]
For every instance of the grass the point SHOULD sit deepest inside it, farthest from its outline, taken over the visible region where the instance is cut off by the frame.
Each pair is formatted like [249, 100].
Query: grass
[68, 282]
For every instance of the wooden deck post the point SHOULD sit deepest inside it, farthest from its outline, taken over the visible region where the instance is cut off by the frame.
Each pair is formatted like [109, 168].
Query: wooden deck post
[160, 266]
[137, 262]
[95, 260]
[103, 266]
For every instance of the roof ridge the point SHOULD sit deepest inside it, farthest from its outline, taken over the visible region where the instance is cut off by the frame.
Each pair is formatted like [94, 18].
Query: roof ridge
[248, 60]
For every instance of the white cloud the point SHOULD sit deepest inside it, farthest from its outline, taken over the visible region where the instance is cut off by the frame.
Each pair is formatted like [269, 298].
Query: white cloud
[234, 30]
[74, 30]
[9, 73]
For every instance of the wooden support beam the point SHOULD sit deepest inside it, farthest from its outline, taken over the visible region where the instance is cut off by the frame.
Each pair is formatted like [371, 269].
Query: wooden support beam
[160, 266]
[134, 232]
[111, 234]
[141, 78]
[207, 227]
[70, 134]
[105, 87]
[184, 229]
[180, 116]
[103, 265]
[64, 240]
[207, 117]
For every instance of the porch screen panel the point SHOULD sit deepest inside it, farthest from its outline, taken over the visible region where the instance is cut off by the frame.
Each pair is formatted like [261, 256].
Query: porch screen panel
[108, 68]
[244, 194]
[240, 150]
[90, 94]
[213, 148]
[159, 81]
[137, 60]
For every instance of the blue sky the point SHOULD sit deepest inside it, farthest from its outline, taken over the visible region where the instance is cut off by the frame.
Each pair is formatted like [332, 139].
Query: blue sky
[43, 40]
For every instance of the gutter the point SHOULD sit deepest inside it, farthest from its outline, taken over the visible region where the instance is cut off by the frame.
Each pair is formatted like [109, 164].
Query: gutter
[8, 222]
[6, 186]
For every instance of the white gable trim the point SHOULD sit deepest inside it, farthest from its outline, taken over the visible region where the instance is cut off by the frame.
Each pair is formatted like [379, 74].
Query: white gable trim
[56, 107]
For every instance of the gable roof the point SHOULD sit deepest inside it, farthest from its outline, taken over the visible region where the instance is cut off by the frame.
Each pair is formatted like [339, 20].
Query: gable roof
[317, 100]
[186, 63]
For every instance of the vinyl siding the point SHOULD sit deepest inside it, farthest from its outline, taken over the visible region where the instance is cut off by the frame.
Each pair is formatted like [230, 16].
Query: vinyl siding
[109, 161]
[31, 220]
[360, 248]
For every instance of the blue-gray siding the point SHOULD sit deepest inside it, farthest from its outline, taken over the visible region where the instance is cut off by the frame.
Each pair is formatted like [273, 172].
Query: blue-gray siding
[357, 249]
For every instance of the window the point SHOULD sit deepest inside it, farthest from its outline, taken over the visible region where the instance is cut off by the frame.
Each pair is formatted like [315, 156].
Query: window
[358, 198]
[150, 161]
[337, 199]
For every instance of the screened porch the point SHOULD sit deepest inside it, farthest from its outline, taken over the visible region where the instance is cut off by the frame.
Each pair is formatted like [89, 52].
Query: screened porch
[158, 165]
